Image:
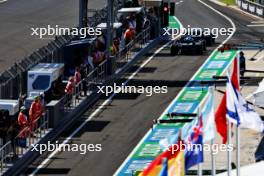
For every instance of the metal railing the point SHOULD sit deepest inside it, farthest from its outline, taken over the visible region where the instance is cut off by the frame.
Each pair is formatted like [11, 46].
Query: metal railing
[10, 151]
[13, 81]
[101, 73]
[137, 43]
[13, 149]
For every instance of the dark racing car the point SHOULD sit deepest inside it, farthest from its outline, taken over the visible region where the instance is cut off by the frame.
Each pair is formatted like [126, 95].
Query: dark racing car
[208, 37]
[188, 45]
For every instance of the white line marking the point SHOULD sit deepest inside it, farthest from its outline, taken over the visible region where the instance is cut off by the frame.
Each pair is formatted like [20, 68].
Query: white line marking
[96, 111]
[249, 96]
[259, 59]
[175, 99]
[257, 22]
[2, 1]
[255, 25]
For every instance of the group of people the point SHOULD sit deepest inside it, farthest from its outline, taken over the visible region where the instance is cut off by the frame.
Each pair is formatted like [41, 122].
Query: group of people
[28, 121]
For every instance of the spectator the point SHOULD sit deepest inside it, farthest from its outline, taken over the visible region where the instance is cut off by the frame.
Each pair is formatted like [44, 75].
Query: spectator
[129, 35]
[242, 61]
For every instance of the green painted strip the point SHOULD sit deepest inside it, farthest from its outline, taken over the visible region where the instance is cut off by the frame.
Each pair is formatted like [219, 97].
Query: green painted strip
[173, 22]
[189, 99]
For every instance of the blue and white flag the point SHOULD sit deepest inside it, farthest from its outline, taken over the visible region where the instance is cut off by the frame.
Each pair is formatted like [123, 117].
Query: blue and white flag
[194, 151]
[239, 111]
[209, 118]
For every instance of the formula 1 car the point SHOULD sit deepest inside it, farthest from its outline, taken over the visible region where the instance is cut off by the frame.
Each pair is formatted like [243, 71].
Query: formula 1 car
[208, 37]
[188, 45]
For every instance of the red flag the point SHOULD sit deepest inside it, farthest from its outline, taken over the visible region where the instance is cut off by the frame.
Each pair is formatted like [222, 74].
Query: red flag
[220, 114]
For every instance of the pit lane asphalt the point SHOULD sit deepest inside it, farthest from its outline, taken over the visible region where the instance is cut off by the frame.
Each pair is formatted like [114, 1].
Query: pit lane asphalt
[121, 125]
[18, 16]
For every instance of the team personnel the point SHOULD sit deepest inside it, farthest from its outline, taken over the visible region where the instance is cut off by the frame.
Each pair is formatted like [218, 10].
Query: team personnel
[242, 61]
[22, 121]
[129, 35]
[69, 90]
[35, 112]
[77, 75]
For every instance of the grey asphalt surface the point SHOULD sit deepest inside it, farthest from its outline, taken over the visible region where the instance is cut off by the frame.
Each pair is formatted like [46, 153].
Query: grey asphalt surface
[17, 17]
[122, 124]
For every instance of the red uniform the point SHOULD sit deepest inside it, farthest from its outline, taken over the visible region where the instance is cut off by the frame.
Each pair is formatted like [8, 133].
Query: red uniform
[129, 34]
[34, 113]
[77, 77]
[23, 123]
[35, 110]
[69, 89]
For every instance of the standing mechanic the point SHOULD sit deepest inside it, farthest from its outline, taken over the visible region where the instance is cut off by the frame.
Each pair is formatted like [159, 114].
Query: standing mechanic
[35, 112]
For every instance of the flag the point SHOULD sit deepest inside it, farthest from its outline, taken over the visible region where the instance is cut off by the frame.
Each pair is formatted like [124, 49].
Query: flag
[168, 141]
[194, 150]
[239, 111]
[176, 166]
[208, 118]
[187, 129]
[220, 114]
[185, 132]
[164, 170]
[174, 161]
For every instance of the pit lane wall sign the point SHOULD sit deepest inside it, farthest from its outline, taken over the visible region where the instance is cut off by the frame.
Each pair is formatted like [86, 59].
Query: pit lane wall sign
[251, 7]
[188, 100]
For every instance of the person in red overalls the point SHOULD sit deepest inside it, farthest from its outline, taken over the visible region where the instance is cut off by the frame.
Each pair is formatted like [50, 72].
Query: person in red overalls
[23, 122]
[129, 35]
[77, 75]
[35, 112]
[69, 90]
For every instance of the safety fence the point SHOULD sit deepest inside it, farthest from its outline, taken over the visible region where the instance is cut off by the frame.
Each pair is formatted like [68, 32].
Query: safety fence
[105, 71]
[131, 48]
[251, 7]
[18, 145]
[11, 151]
[13, 80]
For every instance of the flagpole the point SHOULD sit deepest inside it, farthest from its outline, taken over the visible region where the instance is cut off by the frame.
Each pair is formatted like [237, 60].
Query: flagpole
[200, 170]
[229, 157]
[199, 173]
[212, 91]
[238, 128]
[238, 150]
[212, 160]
